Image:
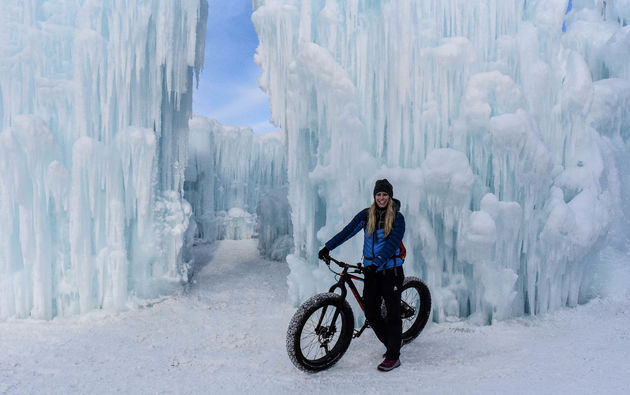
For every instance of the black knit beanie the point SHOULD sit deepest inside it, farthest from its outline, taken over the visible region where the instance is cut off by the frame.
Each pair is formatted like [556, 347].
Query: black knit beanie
[383, 186]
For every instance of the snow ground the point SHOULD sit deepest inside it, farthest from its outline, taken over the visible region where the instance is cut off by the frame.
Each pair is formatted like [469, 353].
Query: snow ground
[226, 334]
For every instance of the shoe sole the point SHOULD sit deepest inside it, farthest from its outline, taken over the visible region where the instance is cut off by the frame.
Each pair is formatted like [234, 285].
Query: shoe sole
[383, 369]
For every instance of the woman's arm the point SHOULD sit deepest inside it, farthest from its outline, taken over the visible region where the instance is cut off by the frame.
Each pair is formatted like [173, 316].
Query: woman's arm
[357, 223]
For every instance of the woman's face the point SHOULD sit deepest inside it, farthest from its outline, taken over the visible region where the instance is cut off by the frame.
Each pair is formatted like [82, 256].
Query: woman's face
[382, 199]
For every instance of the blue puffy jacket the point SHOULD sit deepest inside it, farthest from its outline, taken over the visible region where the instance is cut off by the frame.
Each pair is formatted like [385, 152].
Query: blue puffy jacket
[382, 252]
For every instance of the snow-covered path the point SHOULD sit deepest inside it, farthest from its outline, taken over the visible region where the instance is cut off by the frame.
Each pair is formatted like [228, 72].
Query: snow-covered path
[226, 335]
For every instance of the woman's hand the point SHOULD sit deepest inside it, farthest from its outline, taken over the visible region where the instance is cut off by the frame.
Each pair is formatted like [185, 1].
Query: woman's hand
[369, 269]
[324, 254]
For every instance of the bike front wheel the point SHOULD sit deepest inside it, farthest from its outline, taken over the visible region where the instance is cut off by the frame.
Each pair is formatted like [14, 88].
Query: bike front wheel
[415, 307]
[320, 332]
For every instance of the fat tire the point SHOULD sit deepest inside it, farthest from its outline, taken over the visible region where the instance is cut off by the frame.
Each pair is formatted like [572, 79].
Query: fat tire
[424, 309]
[306, 311]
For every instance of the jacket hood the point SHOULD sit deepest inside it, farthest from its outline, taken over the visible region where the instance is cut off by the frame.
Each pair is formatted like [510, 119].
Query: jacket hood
[396, 204]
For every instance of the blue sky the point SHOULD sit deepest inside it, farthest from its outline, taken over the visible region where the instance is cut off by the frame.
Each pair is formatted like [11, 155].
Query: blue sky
[228, 87]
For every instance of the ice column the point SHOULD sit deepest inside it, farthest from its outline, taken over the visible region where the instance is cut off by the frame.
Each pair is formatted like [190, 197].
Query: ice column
[495, 127]
[95, 99]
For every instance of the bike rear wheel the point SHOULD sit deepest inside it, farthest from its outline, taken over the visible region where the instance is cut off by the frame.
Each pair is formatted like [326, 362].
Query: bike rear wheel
[320, 332]
[415, 307]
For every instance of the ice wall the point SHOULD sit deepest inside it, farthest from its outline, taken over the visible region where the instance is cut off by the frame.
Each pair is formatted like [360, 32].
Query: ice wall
[497, 130]
[95, 98]
[236, 182]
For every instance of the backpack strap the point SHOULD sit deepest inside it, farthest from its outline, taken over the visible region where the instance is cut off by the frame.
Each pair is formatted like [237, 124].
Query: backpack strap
[403, 252]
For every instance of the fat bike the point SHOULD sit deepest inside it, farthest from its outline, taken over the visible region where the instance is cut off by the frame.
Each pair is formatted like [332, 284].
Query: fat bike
[323, 326]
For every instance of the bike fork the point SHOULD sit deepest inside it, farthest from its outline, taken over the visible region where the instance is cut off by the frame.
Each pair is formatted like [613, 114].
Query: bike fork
[326, 333]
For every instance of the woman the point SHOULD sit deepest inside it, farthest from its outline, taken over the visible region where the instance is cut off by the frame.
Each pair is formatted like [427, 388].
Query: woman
[383, 228]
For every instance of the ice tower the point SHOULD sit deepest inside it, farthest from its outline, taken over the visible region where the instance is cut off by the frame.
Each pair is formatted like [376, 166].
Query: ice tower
[95, 98]
[498, 130]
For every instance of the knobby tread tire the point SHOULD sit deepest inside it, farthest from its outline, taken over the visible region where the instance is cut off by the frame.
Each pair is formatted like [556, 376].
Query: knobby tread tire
[424, 311]
[302, 315]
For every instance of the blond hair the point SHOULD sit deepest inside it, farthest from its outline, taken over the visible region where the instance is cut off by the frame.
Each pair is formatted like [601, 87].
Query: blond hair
[389, 218]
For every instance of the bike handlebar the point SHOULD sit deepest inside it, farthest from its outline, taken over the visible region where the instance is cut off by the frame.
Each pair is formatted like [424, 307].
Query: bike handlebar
[342, 264]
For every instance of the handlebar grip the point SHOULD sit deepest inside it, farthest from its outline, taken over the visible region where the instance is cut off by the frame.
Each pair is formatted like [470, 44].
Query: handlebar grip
[327, 260]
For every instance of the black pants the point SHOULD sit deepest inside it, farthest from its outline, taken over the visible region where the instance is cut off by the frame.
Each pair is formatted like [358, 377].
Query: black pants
[388, 285]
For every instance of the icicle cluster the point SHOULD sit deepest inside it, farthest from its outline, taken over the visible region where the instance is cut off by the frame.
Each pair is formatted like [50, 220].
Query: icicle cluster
[495, 127]
[95, 99]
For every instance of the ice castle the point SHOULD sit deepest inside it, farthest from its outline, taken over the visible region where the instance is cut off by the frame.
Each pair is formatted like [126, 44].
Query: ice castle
[502, 124]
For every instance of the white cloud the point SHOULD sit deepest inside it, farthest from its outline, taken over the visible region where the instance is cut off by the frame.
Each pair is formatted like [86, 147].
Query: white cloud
[245, 105]
[264, 126]
[244, 100]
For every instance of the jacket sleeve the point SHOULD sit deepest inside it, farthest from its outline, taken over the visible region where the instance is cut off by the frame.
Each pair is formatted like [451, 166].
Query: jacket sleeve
[392, 242]
[357, 223]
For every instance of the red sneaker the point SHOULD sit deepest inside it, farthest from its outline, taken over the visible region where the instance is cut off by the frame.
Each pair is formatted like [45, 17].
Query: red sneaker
[388, 365]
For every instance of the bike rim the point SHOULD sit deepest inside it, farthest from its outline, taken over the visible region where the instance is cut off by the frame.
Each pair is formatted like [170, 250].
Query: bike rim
[411, 298]
[320, 335]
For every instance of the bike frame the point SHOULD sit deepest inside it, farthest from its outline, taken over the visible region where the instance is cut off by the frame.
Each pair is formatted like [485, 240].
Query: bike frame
[345, 278]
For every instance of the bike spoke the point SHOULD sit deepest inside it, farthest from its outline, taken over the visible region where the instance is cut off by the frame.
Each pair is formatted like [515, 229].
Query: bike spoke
[410, 298]
[319, 334]
[311, 339]
[312, 347]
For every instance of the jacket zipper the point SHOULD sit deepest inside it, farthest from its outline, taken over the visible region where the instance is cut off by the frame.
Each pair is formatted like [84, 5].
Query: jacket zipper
[373, 242]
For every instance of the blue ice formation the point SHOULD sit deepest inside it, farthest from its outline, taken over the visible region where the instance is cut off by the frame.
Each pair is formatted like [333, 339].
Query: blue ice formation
[95, 99]
[503, 136]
